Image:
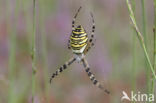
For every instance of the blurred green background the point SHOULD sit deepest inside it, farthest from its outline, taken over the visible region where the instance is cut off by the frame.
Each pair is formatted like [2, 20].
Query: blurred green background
[117, 59]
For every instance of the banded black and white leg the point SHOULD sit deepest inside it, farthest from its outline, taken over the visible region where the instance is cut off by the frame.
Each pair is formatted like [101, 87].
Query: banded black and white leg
[73, 22]
[93, 31]
[69, 44]
[90, 42]
[92, 77]
[62, 68]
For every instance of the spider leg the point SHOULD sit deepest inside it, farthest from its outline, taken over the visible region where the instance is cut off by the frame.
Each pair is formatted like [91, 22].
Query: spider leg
[93, 31]
[91, 76]
[62, 68]
[73, 22]
[69, 44]
[90, 42]
[89, 45]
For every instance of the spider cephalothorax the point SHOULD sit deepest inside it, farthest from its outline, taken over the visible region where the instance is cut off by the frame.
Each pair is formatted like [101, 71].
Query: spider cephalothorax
[80, 44]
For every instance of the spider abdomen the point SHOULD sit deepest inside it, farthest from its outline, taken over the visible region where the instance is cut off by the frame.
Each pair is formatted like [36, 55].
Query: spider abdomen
[78, 40]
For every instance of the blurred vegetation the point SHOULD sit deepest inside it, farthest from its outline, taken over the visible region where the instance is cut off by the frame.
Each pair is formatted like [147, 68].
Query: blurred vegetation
[117, 59]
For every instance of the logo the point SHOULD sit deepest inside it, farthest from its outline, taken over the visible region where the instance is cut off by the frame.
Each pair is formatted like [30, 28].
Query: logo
[137, 97]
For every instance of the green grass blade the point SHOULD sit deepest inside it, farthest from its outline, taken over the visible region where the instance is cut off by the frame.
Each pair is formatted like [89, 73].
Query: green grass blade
[143, 20]
[154, 51]
[12, 52]
[33, 52]
[134, 55]
[140, 37]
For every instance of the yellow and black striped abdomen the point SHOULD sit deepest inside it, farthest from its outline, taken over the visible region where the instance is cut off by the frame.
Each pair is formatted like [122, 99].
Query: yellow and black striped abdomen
[78, 40]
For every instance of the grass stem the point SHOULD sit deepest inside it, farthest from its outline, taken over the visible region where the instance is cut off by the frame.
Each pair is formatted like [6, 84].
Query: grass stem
[12, 50]
[154, 51]
[33, 51]
[143, 21]
[154, 63]
[44, 49]
[134, 55]
[140, 37]
[148, 73]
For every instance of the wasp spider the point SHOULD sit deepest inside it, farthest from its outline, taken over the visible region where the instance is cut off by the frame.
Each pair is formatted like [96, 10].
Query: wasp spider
[80, 44]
